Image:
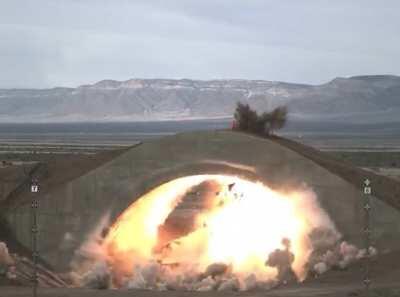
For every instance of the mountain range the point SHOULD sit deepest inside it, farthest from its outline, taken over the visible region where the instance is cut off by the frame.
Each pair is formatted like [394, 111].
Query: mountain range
[358, 99]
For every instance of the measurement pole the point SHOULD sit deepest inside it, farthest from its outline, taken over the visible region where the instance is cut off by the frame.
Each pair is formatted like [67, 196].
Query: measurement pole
[34, 230]
[367, 191]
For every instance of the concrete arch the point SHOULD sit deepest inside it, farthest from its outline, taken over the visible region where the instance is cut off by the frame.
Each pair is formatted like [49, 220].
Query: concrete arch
[77, 207]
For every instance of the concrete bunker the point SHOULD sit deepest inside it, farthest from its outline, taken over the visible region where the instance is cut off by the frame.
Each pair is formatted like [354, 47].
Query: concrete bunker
[70, 213]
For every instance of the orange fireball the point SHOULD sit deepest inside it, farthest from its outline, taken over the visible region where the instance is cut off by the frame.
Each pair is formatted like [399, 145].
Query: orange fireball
[241, 226]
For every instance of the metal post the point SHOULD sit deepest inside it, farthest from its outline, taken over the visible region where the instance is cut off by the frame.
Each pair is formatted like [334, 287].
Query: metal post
[34, 206]
[367, 229]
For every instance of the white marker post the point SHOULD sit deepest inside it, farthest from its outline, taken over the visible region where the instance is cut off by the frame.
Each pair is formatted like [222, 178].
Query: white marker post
[367, 230]
[34, 230]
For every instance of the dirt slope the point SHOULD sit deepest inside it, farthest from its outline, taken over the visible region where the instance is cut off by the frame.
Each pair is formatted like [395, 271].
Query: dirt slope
[384, 188]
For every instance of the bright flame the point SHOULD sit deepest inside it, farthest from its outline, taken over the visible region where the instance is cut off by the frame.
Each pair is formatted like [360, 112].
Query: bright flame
[245, 222]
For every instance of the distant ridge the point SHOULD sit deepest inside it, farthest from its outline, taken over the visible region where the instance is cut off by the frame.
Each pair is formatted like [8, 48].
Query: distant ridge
[357, 99]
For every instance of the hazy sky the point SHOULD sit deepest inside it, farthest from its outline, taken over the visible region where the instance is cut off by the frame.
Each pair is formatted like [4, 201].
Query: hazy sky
[45, 43]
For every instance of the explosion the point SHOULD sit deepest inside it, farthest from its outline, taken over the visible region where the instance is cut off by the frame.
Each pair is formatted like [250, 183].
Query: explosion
[213, 231]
